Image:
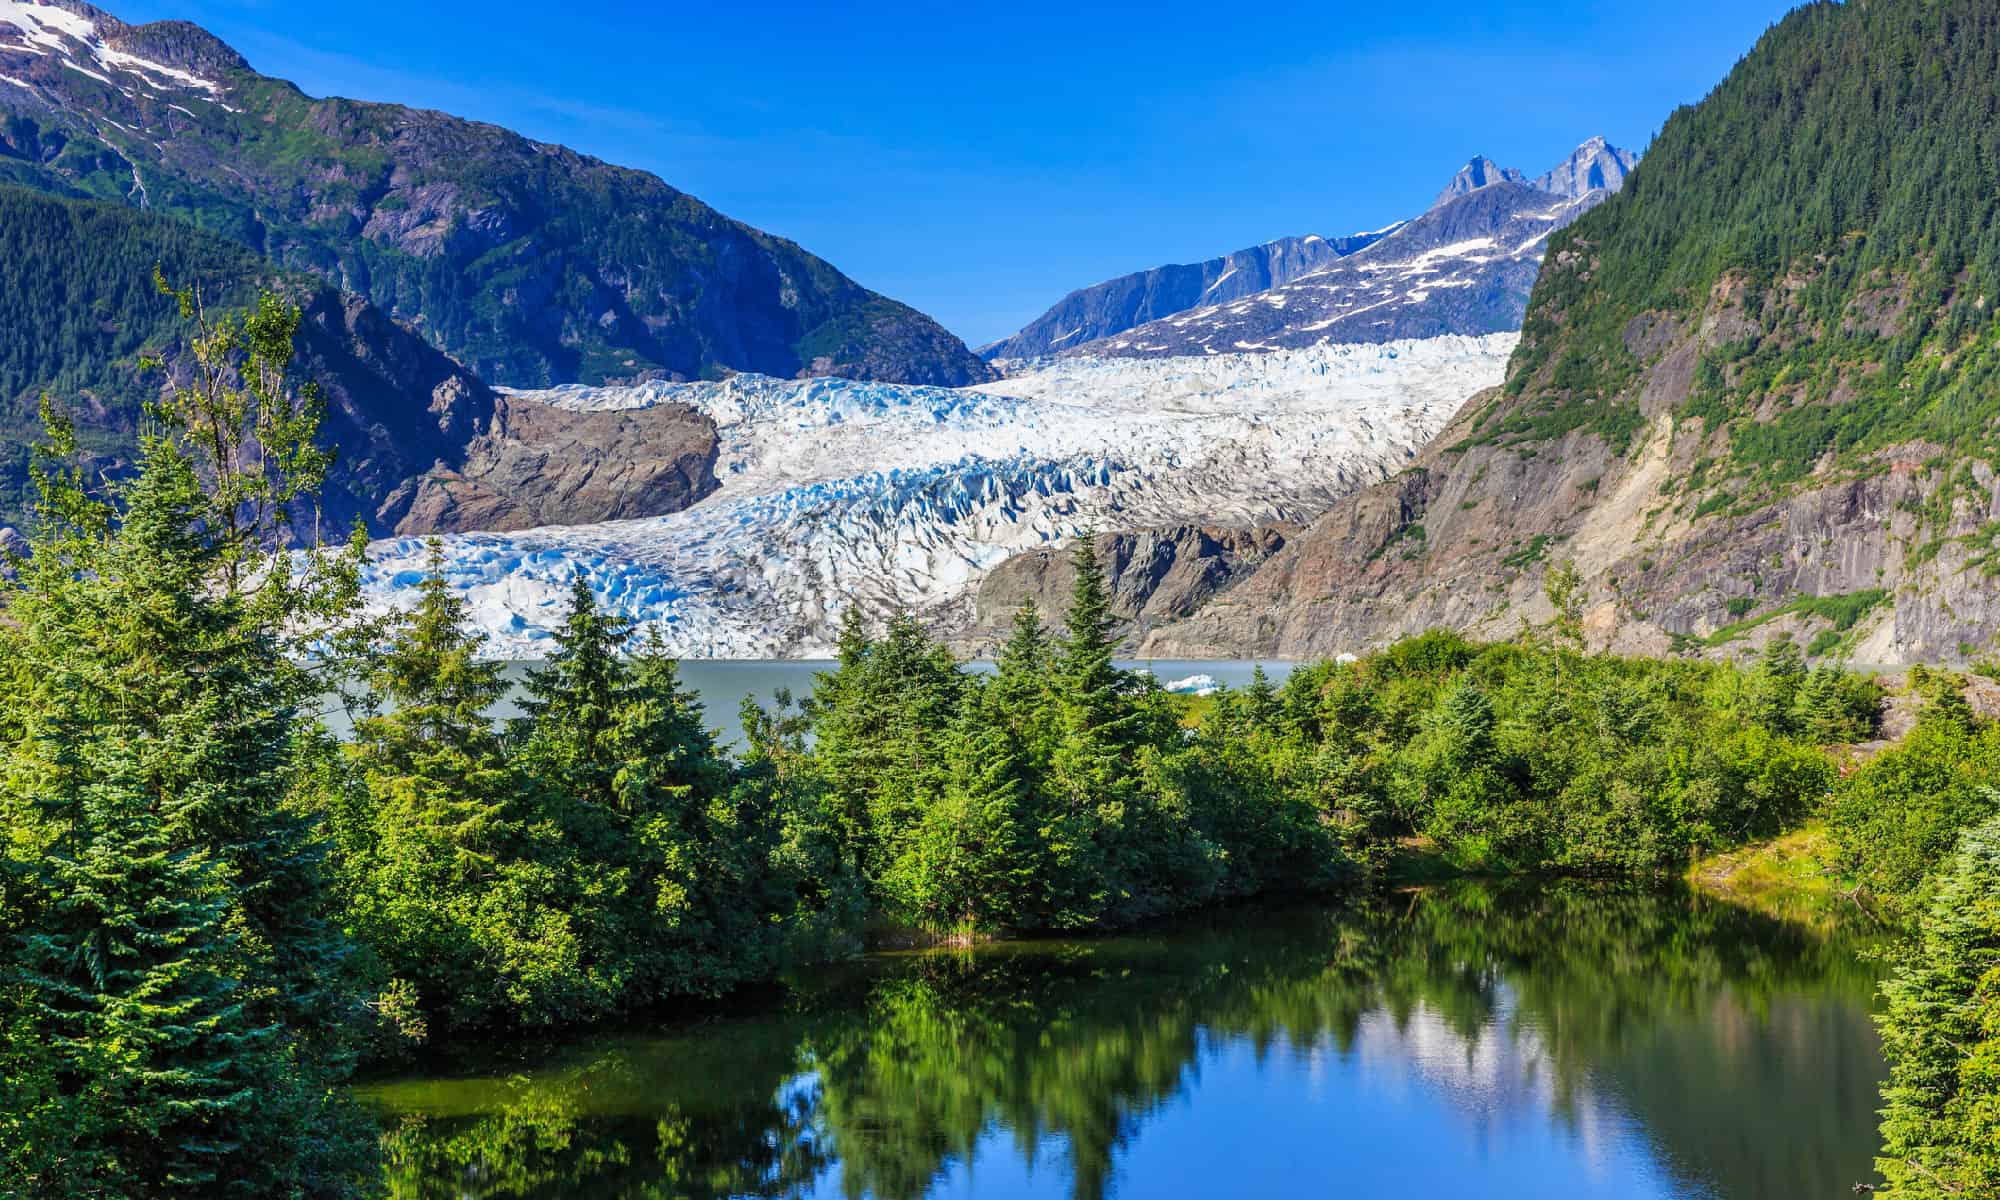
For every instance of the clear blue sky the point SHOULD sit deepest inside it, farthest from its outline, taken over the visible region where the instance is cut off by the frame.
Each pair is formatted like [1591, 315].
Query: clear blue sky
[978, 161]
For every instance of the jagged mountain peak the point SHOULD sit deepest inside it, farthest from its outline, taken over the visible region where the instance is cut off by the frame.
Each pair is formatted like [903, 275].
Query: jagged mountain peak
[1597, 165]
[1478, 173]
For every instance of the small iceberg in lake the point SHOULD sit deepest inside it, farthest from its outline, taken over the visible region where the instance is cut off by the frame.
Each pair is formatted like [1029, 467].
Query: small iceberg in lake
[1193, 685]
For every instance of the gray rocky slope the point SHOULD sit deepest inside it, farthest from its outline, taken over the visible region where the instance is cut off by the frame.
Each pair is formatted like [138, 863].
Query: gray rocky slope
[1336, 281]
[1465, 266]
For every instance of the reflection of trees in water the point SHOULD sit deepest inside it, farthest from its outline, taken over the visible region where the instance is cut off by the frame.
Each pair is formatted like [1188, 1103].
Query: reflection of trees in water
[1709, 1024]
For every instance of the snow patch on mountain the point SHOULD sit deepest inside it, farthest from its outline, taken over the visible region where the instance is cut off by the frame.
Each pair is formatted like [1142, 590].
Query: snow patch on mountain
[887, 496]
[44, 29]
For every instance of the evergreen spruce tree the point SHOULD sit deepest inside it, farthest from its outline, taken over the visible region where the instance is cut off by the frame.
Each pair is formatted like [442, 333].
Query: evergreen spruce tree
[967, 867]
[167, 872]
[846, 738]
[130, 971]
[1941, 1035]
[913, 689]
[1019, 695]
[698, 919]
[1098, 725]
[1091, 784]
[1774, 692]
[1260, 702]
[463, 890]
[434, 759]
[571, 702]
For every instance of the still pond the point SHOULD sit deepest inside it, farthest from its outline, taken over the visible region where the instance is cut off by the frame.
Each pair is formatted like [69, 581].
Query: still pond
[1473, 1040]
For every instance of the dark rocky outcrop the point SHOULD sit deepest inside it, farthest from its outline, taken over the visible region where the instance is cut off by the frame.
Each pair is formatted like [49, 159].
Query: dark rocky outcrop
[538, 465]
[1155, 576]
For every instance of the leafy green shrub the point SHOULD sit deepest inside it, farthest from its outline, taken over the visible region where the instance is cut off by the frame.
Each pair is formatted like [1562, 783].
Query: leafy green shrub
[1901, 813]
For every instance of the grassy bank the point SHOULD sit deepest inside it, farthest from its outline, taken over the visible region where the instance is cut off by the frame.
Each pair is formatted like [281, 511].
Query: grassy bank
[1792, 878]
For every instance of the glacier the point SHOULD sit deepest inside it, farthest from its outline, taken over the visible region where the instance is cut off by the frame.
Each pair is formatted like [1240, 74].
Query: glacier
[896, 497]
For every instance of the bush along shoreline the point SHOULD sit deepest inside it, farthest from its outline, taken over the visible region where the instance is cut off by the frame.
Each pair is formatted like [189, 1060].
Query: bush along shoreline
[213, 913]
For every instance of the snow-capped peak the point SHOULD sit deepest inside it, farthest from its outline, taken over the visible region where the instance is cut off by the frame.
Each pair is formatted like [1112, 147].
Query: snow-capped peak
[1597, 165]
[65, 32]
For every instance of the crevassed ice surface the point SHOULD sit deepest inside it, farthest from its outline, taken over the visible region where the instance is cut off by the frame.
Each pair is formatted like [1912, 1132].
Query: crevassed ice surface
[891, 496]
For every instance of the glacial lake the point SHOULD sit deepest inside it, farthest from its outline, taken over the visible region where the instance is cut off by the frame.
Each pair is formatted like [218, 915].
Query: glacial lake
[723, 684]
[1541, 1041]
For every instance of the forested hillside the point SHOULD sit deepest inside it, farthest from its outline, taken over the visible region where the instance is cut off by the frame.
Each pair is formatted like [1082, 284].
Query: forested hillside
[80, 312]
[419, 443]
[1845, 184]
[1755, 392]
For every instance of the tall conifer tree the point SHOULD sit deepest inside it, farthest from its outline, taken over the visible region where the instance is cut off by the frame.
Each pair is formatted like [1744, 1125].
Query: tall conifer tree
[179, 946]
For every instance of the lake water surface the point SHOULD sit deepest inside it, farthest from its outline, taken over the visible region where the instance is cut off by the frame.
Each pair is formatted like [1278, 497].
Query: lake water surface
[1475, 1040]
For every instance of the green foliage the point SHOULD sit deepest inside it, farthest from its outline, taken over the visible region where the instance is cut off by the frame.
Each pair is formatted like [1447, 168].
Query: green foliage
[168, 911]
[1060, 793]
[1941, 1035]
[1842, 614]
[1901, 813]
[599, 858]
[1528, 555]
[81, 316]
[1525, 758]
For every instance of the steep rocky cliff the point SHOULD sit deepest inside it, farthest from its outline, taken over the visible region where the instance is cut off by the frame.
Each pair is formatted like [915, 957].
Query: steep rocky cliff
[1757, 393]
[530, 263]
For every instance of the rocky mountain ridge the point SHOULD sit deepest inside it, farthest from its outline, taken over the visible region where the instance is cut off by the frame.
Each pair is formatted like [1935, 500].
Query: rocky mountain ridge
[530, 263]
[1465, 266]
[1116, 305]
[1478, 173]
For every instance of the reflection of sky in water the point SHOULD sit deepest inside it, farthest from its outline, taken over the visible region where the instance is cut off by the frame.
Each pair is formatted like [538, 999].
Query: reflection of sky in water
[1724, 1059]
[1415, 1109]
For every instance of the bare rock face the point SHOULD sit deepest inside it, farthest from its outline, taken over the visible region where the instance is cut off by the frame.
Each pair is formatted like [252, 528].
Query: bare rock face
[545, 466]
[1155, 576]
[1465, 537]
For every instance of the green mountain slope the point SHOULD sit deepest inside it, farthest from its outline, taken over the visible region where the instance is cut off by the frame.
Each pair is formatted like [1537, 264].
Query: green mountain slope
[1846, 180]
[530, 263]
[421, 443]
[1756, 393]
